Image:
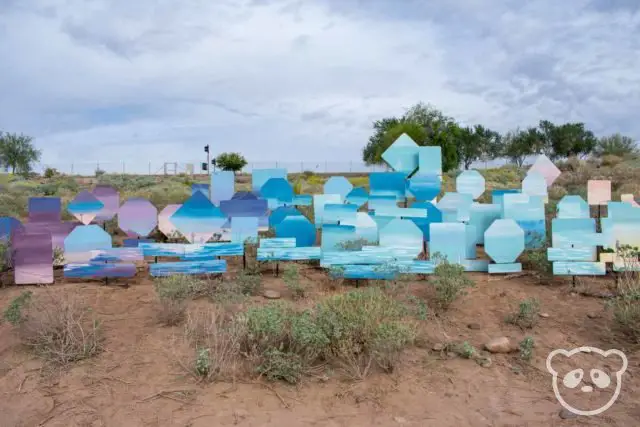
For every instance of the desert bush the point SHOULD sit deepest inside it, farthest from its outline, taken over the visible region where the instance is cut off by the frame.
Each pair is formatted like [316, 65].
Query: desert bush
[182, 287]
[364, 326]
[50, 173]
[315, 180]
[99, 172]
[626, 315]
[527, 315]
[14, 312]
[217, 344]
[291, 277]
[58, 257]
[526, 348]
[465, 350]
[249, 282]
[5, 255]
[60, 328]
[611, 160]
[450, 282]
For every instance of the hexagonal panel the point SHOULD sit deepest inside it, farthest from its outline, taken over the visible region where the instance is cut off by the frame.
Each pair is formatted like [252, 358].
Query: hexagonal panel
[455, 207]
[299, 227]
[198, 219]
[546, 168]
[110, 198]
[534, 184]
[165, 225]
[84, 239]
[338, 185]
[138, 217]
[425, 187]
[504, 241]
[401, 233]
[572, 207]
[402, 155]
[84, 207]
[277, 191]
[470, 182]
[358, 196]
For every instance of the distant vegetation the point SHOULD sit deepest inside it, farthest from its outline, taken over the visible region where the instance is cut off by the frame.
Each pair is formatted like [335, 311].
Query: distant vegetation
[231, 162]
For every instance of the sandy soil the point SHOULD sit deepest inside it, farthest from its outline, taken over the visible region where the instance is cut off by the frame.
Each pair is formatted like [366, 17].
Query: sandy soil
[136, 381]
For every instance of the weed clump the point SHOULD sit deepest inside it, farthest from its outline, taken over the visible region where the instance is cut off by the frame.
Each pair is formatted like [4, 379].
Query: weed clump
[527, 315]
[526, 348]
[291, 277]
[450, 282]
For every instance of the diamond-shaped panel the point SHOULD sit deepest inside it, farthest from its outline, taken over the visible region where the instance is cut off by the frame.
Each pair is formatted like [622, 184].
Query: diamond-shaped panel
[138, 217]
[402, 155]
[546, 168]
[165, 225]
[534, 184]
[504, 241]
[85, 207]
[470, 182]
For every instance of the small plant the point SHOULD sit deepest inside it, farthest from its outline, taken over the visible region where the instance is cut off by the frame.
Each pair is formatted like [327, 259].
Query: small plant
[203, 363]
[291, 279]
[58, 257]
[450, 282]
[172, 312]
[465, 350]
[5, 255]
[14, 312]
[527, 315]
[281, 365]
[526, 348]
[174, 293]
[537, 262]
[420, 307]
[249, 284]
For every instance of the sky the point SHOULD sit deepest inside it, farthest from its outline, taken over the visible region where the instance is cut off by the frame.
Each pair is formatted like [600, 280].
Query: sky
[143, 81]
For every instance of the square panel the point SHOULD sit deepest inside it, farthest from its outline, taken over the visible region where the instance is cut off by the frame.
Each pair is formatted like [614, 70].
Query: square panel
[388, 184]
[599, 192]
[45, 209]
[449, 239]
[222, 186]
[260, 176]
[32, 258]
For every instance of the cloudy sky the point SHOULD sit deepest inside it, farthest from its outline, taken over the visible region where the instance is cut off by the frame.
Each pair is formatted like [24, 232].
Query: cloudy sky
[155, 80]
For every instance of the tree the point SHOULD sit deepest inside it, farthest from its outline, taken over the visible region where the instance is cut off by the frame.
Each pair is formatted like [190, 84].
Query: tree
[230, 162]
[562, 141]
[616, 145]
[475, 143]
[520, 144]
[18, 152]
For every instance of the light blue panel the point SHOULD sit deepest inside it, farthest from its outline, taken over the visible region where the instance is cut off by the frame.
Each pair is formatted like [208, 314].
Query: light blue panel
[162, 269]
[513, 267]
[425, 187]
[482, 216]
[263, 223]
[371, 272]
[529, 213]
[471, 241]
[377, 202]
[572, 207]
[455, 204]
[358, 196]
[567, 233]
[203, 188]
[278, 243]
[260, 176]
[475, 265]
[402, 155]
[397, 212]
[198, 215]
[535, 233]
[117, 255]
[278, 192]
[399, 253]
[433, 216]
[163, 249]
[504, 241]
[334, 235]
[366, 227]
[370, 257]
[402, 233]
[623, 211]
[388, 184]
[298, 227]
[381, 221]
[302, 200]
[449, 239]
[337, 213]
[338, 185]
[561, 268]
[630, 266]
[99, 270]
[319, 201]
[211, 250]
[497, 196]
[244, 229]
[289, 254]
[222, 186]
[470, 182]
[419, 267]
[534, 184]
[85, 238]
[430, 160]
[621, 232]
[281, 213]
[571, 254]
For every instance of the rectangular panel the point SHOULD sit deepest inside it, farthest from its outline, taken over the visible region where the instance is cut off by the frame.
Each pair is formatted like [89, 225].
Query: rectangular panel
[372, 272]
[430, 160]
[449, 240]
[571, 254]
[222, 186]
[244, 207]
[475, 265]
[561, 268]
[133, 243]
[163, 249]
[58, 230]
[417, 267]
[388, 184]
[32, 258]
[99, 270]
[514, 267]
[274, 243]
[623, 211]
[497, 196]
[397, 212]
[620, 232]
[482, 216]
[289, 254]
[302, 200]
[370, 257]
[45, 209]
[319, 201]
[244, 230]
[380, 202]
[598, 192]
[260, 176]
[210, 250]
[117, 255]
[162, 269]
[567, 233]
[470, 231]
[336, 213]
[334, 236]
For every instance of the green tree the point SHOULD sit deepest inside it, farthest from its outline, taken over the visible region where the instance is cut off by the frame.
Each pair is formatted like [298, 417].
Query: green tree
[519, 144]
[231, 162]
[616, 145]
[18, 152]
[475, 143]
[566, 140]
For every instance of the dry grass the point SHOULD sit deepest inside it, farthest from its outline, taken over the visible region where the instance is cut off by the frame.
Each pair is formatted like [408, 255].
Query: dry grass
[172, 312]
[60, 328]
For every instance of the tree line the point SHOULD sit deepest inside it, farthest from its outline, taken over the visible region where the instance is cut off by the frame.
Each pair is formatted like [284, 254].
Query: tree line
[463, 145]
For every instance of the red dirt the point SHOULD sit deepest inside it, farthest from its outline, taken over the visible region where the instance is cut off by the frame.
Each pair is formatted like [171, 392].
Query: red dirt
[134, 381]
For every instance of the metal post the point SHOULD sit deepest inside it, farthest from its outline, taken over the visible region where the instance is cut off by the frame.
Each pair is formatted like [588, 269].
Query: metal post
[149, 168]
[123, 167]
[71, 168]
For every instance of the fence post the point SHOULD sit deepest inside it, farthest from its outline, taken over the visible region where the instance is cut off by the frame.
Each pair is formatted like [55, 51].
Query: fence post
[123, 168]
[149, 167]
[71, 168]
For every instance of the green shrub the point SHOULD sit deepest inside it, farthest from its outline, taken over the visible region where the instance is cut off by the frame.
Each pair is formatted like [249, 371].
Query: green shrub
[50, 173]
[291, 277]
[249, 284]
[526, 348]
[450, 282]
[14, 312]
[528, 314]
[465, 350]
[182, 287]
